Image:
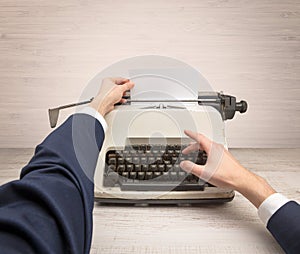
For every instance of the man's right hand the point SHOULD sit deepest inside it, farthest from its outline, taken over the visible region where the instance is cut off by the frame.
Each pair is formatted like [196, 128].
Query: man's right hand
[223, 170]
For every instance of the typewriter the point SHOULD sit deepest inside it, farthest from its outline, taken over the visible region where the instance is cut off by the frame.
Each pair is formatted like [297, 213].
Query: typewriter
[140, 157]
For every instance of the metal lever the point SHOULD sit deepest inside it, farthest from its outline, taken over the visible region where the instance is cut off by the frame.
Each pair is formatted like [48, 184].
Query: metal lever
[54, 112]
[166, 101]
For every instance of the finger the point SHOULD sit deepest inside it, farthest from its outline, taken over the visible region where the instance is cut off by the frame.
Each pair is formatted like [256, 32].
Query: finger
[191, 148]
[123, 101]
[201, 139]
[191, 167]
[119, 80]
[126, 86]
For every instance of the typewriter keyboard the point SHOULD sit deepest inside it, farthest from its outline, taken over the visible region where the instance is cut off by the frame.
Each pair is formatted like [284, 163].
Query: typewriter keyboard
[152, 168]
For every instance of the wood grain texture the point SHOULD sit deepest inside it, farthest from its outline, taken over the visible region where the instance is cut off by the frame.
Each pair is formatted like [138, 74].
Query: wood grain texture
[230, 228]
[50, 49]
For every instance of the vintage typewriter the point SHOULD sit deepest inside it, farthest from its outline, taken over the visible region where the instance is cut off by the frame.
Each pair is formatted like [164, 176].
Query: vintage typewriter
[139, 160]
[140, 157]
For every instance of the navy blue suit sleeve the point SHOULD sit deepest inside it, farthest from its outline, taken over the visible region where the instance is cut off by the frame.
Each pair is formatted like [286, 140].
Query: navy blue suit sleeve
[49, 210]
[285, 227]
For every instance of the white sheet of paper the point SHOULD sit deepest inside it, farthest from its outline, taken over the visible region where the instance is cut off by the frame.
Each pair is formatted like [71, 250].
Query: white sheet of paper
[165, 84]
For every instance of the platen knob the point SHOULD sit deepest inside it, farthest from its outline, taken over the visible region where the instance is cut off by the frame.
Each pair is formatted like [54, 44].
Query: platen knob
[241, 106]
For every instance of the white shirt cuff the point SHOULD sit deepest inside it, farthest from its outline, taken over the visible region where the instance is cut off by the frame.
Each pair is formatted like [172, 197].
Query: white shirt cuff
[270, 206]
[94, 113]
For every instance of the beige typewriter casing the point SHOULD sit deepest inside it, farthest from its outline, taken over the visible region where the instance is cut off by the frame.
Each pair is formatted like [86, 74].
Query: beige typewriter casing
[160, 123]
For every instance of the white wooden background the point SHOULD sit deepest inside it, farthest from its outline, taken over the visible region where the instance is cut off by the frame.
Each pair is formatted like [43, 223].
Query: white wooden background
[50, 49]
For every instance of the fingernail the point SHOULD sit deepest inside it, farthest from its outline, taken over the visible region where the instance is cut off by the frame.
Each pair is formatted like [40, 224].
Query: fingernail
[182, 164]
[185, 165]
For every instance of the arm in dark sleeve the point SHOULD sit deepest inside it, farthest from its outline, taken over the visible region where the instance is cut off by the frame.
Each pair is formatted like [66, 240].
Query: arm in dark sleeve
[285, 227]
[49, 210]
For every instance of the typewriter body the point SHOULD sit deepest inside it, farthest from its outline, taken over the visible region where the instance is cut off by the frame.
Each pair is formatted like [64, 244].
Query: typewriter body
[140, 157]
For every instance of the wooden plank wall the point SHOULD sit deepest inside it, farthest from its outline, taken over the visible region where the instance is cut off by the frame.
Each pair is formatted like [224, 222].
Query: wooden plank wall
[50, 49]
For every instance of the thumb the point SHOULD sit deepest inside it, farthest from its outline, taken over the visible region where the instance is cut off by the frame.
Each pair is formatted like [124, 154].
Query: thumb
[119, 80]
[126, 86]
[191, 167]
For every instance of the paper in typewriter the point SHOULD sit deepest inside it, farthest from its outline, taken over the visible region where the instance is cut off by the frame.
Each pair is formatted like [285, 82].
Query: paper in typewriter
[167, 84]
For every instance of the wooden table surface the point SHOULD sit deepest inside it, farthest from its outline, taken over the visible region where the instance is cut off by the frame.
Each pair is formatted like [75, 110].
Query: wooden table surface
[229, 228]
